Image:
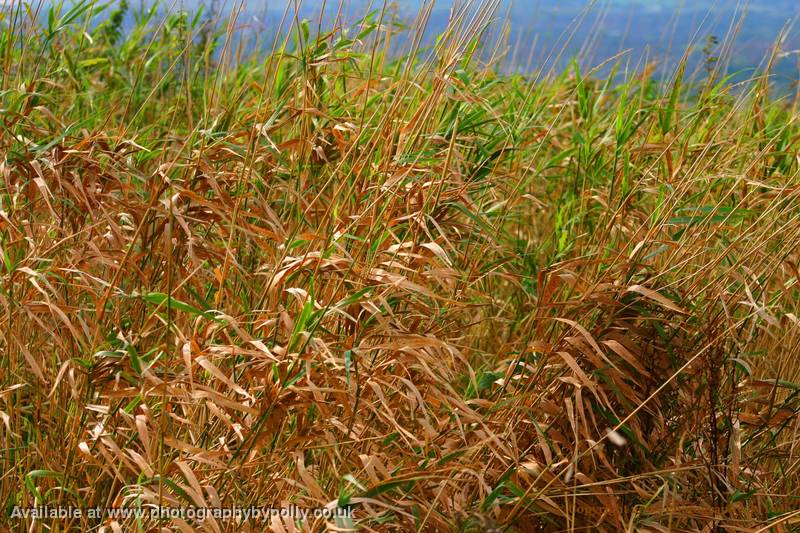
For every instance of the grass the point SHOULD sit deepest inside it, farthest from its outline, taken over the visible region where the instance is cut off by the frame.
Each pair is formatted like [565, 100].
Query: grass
[362, 271]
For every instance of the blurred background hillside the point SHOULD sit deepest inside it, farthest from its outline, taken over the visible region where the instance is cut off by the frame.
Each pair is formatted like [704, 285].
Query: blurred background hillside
[540, 31]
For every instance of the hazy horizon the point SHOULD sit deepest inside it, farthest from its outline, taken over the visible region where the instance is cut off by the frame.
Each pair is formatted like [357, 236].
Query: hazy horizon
[656, 30]
[635, 31]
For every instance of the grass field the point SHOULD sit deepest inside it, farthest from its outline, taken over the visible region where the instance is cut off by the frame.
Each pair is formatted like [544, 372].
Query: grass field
[406, 285]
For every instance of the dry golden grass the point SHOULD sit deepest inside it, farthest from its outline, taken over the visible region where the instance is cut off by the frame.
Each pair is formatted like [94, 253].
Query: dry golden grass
[445, 298]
